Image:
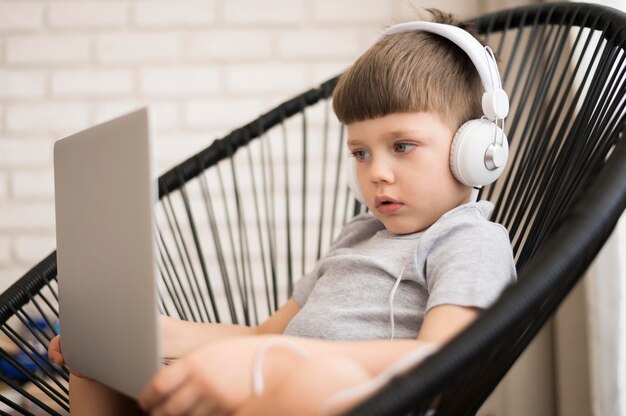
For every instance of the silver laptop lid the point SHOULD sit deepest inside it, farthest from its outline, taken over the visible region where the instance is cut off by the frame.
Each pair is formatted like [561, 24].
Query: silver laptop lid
[105, 191]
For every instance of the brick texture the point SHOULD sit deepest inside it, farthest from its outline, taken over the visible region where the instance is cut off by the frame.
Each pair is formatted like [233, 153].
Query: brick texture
[319, 44]
[47, 49]
[186, 12]
[31, 249]
[3, 187]
[15, 84]
[5, 251]
[46, 117]
[87, 14]
[32, 185]
[229, 45]
[255, 12]
[92, 83]
[179, 81]
[21, 15]
[222, 113]
[24, 152]
[266, 78]
[138, 48]
[351, 11]
[27, 217]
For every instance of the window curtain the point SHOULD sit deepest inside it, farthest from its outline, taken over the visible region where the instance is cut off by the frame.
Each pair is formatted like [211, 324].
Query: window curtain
[605, 315]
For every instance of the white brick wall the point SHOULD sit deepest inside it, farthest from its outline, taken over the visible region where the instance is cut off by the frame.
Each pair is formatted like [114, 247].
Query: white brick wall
[260, 79]
[224, 113]
[3, 187]
[231, 45]
[19, 15]
[179, 81]
[92, 83]
[18, 84]
[162, 13]
[5, 251]
[351, 11]
[140, 48]
[45, 117]
[256, 12]
[204, 67]
[47, 49]
[27, 217]
[37, 185]
[24, 152]
[31, 249]
[87, 15]
[318, 44]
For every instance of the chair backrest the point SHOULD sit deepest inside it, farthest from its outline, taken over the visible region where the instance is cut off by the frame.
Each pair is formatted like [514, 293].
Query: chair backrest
[564, 65]
[241, 221]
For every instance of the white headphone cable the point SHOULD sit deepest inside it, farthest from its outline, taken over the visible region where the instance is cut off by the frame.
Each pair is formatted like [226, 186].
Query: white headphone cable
[258, 384]
[391, 296]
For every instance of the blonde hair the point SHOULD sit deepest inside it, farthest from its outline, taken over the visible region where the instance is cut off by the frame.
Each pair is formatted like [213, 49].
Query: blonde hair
[410, 72]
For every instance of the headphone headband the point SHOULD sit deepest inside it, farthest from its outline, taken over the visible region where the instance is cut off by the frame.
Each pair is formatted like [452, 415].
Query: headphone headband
[495, 102]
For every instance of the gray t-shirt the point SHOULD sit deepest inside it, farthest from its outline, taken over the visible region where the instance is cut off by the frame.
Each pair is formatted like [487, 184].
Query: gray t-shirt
[462, 259]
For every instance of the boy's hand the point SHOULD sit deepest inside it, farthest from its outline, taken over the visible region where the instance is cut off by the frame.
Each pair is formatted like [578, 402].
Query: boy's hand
[214, 379]
[54, 351]
[56, 355]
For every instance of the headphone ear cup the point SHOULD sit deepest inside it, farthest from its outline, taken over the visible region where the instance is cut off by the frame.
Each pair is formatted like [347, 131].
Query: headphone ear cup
[353, 181]
[467, 152]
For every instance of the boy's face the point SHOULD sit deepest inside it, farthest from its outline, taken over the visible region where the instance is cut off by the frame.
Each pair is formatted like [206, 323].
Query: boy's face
[403, 169]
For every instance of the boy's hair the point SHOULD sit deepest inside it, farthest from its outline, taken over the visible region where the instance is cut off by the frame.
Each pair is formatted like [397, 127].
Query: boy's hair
[410, 72]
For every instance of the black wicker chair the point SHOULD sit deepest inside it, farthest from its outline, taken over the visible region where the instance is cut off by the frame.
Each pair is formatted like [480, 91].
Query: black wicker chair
[240, 221]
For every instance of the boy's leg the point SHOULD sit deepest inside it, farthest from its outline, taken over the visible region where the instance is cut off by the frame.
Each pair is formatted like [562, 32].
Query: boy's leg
[308, 387]
[88, 397]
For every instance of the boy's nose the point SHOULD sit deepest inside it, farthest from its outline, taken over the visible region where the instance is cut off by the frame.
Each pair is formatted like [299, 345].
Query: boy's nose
[381, 170]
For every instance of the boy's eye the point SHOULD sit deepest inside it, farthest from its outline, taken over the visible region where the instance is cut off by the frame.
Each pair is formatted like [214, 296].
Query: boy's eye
[360, 154]
[403, 147]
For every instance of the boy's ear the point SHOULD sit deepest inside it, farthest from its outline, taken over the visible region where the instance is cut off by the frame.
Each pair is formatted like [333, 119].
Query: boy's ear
[474, 158]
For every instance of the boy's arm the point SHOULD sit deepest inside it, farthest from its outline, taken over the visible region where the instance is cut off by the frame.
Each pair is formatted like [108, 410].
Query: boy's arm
[183, 336]
[443, 322]
[221, 373]
[202, 373]
[324, 376]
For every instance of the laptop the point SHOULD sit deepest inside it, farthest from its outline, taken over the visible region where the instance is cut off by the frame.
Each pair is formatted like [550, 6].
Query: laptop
[105, 191]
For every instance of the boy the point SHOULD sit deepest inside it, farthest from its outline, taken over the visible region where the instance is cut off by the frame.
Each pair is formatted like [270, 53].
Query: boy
[417, 269]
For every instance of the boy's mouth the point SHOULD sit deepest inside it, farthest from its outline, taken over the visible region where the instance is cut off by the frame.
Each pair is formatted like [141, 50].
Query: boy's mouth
[387, 205]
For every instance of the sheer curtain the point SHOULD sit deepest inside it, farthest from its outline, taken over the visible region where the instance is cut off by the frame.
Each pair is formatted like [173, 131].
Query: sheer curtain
[605, 287]
[606, 290]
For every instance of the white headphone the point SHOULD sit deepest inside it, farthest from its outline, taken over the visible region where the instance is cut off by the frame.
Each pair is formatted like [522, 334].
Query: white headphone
[479, 150]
